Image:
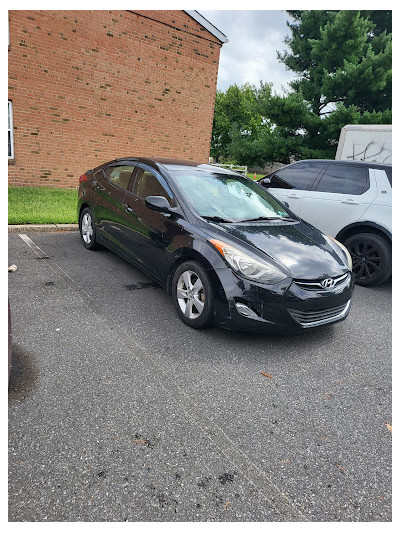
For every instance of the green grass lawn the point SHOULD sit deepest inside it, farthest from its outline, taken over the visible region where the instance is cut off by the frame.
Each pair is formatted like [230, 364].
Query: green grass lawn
[251, 175]
[42, 205]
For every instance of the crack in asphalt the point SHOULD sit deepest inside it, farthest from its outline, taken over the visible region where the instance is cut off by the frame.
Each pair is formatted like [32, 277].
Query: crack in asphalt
[157, 373]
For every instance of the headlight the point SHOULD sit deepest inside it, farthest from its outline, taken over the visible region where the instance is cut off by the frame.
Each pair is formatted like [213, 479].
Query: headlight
[345, 250]
[247, 266]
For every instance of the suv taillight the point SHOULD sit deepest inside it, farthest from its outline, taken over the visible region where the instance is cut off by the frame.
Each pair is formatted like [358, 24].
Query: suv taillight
[82, 178]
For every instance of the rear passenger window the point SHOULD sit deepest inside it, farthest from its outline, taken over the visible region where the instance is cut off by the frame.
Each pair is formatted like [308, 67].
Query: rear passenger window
[299, 176]
[119, 175]
[344, 179]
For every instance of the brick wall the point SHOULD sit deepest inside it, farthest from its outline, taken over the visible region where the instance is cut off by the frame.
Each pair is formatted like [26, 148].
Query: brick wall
[90, 86]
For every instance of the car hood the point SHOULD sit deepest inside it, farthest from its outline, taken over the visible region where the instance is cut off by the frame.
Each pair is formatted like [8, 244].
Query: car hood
[298, 246]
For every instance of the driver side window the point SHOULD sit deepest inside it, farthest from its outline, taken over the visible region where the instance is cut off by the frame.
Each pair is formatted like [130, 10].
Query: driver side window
[147, 184]
[300, 176]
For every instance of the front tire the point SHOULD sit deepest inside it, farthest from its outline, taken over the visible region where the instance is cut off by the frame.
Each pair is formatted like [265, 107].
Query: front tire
[193, 295]
[372, 258]
[87, 229]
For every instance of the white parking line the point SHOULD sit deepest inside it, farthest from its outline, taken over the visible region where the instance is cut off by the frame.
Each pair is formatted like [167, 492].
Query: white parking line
[32, 245]
[53, 265]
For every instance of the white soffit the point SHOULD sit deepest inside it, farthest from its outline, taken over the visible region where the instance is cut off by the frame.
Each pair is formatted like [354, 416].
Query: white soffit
[207, 25]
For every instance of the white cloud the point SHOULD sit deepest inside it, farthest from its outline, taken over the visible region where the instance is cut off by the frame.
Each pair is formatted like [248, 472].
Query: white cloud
[251, 53]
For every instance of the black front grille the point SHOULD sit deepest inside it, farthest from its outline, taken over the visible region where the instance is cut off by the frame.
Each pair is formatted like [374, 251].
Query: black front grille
[316, 285]
[317, 317]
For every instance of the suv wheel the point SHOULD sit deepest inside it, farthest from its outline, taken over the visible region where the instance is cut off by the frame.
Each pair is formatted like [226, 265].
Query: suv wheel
[193, 295]
[372, 258]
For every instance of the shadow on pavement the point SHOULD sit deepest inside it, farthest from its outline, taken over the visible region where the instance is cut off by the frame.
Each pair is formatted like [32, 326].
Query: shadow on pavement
[23, 374]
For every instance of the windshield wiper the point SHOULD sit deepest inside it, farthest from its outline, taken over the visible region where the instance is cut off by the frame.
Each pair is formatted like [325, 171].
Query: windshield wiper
[216, 219]
[264, 218]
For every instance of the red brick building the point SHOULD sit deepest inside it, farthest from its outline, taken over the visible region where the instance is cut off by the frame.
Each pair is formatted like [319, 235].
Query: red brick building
[89, 86]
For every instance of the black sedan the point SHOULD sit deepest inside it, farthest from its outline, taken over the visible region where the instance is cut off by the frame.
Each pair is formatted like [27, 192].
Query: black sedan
[220, 244]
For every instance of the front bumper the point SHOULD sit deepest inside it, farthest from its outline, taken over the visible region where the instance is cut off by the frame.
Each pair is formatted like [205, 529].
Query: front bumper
[283, 308]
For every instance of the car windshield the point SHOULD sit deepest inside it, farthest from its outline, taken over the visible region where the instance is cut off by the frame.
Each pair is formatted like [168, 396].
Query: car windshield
[227, 197]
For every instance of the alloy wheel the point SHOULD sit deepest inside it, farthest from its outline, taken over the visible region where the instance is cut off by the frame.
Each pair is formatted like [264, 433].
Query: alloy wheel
[190, 294]
[366, 257]
[87, 228]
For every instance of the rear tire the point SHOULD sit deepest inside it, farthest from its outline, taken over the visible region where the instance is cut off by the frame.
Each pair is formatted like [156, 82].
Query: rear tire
[193, 295]
[372, 258]
[87, 229]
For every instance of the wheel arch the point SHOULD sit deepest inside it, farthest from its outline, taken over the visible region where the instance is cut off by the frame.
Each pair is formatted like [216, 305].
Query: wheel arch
[191, 254]
[82, 207]
[364, 227]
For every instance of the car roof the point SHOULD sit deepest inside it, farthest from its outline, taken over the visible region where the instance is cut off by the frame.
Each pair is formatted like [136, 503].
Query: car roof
[341, 162]
[175, 164]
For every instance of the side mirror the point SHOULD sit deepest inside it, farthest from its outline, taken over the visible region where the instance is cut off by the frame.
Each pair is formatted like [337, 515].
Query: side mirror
[158, 203]
[265, 182]
[285, 203]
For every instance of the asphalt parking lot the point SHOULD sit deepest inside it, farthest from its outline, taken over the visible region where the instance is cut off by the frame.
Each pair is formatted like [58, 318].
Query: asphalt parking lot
[120, 412]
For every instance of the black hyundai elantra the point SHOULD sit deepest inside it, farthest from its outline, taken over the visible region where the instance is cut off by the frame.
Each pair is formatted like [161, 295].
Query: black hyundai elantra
[225, 250]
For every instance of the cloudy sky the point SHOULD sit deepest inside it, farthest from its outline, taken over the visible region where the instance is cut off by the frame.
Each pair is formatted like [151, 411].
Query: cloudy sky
[250, 55]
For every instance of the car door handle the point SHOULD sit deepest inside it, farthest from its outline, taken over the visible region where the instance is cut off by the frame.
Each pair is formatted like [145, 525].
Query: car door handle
[127, 208]
[350, 202]
[294, 196]
[97, 185]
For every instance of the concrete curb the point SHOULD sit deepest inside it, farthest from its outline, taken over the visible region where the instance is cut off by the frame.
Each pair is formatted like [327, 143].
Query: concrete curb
[29, 228]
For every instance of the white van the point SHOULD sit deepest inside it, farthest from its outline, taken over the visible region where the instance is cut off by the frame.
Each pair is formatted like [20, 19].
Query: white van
[365, 142]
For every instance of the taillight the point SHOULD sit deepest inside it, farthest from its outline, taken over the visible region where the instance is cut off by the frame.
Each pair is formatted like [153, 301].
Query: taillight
[82, 178]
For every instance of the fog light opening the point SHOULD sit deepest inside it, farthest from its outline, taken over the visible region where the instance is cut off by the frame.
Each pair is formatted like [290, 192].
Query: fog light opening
[246, 311]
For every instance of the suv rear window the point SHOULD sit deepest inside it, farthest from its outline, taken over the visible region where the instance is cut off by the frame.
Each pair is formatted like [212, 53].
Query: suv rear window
[344, 179]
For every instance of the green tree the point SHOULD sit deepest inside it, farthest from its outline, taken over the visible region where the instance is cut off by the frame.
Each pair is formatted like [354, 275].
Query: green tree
[342, 61]
[382, 21]
[239, 128]
[343, 66]
[337, 57]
